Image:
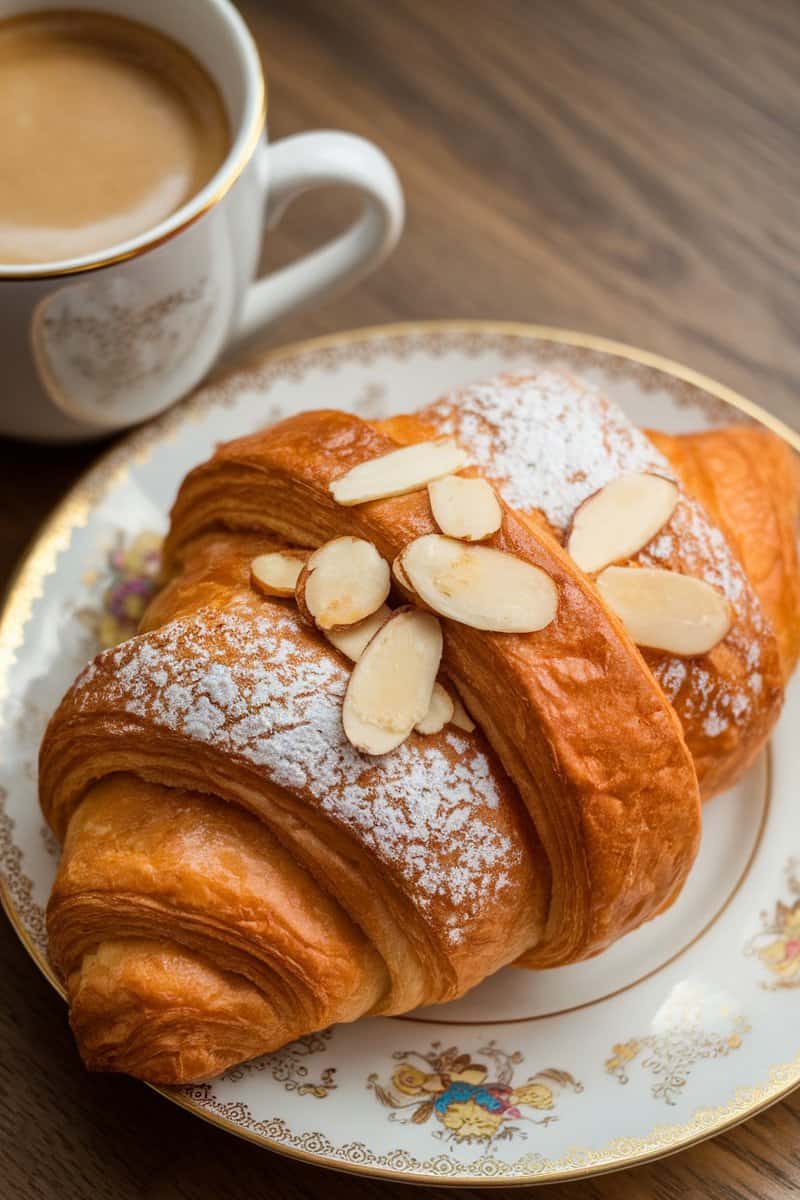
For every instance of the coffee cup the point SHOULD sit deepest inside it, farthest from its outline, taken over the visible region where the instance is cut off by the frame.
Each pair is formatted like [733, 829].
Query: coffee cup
[106, 336]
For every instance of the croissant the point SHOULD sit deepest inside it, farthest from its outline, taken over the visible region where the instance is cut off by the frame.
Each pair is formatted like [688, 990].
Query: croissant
[744, 479]
[235, 873]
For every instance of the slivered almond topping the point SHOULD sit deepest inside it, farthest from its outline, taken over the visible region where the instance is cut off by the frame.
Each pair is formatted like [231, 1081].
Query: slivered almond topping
[620, 519]
[400, 575]
[391, 685]
[343, 582]
[276, 573]
[440, 711]
[467, 509]
[479, 586]
[461, 718]
[665, 610]
[353, 640]
[400, 471]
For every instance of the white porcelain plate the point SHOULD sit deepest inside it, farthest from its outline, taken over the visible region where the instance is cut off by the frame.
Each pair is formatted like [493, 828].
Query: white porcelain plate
[679, 1031]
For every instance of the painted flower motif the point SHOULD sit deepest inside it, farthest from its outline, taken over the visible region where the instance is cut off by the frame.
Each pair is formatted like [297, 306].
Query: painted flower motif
[777, 944]
[411, 1080]
[670, 1054]
[473, 1073]
[782, 956]
[536, 1095]
[134, 569]
[468, 1120]
[460, 1095]
[621, 1053]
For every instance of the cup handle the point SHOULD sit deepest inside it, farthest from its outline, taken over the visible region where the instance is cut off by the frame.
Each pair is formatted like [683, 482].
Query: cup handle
[298, 164]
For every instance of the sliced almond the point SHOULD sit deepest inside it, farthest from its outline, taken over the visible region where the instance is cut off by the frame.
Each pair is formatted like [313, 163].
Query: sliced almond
[276, 573]
[354, 640]
[467, 509]
[343, 582]
[399, 472]
[391, 685]
[665, 610]
[440, 711]
[461, 718]
[479, 586]
[620, 519]
[400, 575]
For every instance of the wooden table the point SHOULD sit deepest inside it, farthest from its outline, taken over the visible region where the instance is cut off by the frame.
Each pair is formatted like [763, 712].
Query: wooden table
[630, 169]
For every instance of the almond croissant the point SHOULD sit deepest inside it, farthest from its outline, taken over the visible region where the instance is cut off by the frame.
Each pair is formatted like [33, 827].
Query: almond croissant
[236, 874]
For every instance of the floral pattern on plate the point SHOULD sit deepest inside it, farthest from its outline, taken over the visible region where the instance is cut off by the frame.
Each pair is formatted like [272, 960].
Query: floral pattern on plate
[777, 944]
[472, 1101]
[133, 567]
[669, 1057]
[288, 1066]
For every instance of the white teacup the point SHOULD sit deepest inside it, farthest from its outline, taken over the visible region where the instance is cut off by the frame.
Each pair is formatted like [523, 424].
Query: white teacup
[93, 344]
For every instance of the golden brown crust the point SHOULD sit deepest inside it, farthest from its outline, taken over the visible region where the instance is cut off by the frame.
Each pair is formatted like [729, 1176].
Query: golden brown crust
[263, 880]
[312, 886]
[748, 480]
[548, 442]
[188, 870]
[620, 835]
[164, 1013]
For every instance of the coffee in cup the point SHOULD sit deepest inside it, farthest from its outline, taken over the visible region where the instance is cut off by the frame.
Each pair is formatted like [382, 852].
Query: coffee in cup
[108, 128]
[136, 185]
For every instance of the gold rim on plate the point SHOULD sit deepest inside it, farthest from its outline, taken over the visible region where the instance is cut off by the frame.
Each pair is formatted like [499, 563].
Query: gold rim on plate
[73, 511]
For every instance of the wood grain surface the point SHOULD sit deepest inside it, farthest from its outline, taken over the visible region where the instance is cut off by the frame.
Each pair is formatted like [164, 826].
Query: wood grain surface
[623, 167]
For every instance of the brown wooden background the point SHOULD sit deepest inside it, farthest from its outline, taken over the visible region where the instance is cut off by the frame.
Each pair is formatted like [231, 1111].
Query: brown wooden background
[624, 167]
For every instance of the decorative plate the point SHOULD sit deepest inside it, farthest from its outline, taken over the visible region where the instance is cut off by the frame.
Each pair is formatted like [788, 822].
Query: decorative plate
[679, 1031]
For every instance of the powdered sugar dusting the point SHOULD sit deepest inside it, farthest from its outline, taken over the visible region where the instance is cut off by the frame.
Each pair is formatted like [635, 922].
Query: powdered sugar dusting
[673, 677]
[691, 544]
[549, 442]
[255, 686]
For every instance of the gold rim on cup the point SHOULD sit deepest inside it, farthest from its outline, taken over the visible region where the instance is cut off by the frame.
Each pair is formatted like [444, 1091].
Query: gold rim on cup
[229, 172]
